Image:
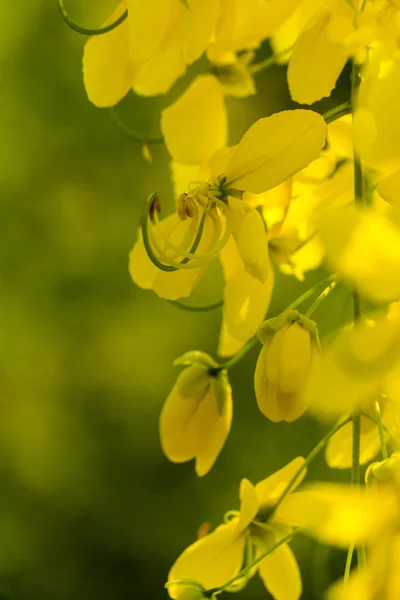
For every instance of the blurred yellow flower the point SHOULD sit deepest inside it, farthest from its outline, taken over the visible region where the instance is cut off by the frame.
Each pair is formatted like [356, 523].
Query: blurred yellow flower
[361, 363]
[216, 558]
[197, 415]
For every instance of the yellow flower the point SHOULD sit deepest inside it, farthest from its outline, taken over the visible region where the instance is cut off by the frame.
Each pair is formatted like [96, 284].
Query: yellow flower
[364, 246]
[272, 150]
[219, 556]
[283, 365]
[196, 417]
[361, 363]
[149, 50]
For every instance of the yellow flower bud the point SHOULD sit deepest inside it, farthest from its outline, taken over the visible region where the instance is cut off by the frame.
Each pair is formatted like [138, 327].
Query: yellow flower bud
[196, 417]
[283, 367]
[386, 472]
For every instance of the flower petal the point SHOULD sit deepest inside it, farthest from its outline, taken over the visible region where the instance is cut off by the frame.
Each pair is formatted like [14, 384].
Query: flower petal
[107, 69]
[248, 504]
[148, 24]
[281, 575]
[212, 560]
[315, 64]
[194, 126]
[275, 148]
[269, 489]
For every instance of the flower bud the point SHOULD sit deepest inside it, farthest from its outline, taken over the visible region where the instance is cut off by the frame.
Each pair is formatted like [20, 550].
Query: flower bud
[386, 472]
[284, 364]
[196, 417]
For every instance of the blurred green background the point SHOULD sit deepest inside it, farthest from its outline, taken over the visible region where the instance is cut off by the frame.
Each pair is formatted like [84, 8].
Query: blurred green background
[89, 507]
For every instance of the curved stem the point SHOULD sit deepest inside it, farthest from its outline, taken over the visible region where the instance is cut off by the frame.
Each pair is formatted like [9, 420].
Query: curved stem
[268, 62]
[151, 205]
[310, 458]
[194, 308]
[85, 30]
[133, 135]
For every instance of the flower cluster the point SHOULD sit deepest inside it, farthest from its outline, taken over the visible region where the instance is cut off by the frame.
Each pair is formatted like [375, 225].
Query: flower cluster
[297, 191]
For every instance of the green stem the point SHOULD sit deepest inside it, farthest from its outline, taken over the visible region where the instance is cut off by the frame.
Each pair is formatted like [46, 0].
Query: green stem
[311, 457]
[133, 135]
[268, 62]
[239, 355]
[337, 112]
[347, 568]
[84, 30]
[366, 414]
[255, 562]
[356, 469]
[381, 431]
[321, 298]
[359, 186]
[196, 308]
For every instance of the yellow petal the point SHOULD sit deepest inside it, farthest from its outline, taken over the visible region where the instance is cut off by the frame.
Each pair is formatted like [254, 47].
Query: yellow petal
[315, 64]
[248, 504]
[295, 359]
[107, 69]
[246, 302]
[212, 560]
[227, 344]
[158, 74]
[339, 514]
[274, 149]
[141, 269]
[252, 244]
[197, 28]
[269, 489]
[281, 575]
[212, 428]
[148, 23]
[179, 417]
[389, 188]
[194, 126]
[266, 393]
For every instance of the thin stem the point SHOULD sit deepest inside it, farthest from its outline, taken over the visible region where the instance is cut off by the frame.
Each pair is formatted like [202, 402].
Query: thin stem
[321, 298]
[85, 30]
[347, 568]
[268, 62]
[367, 415]
[312, 291]
[239, 355]
[133, 135]
[381, 431]
[310, 458]
[255, 562]
[355, 469]
[337, 112]
[196, 308]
